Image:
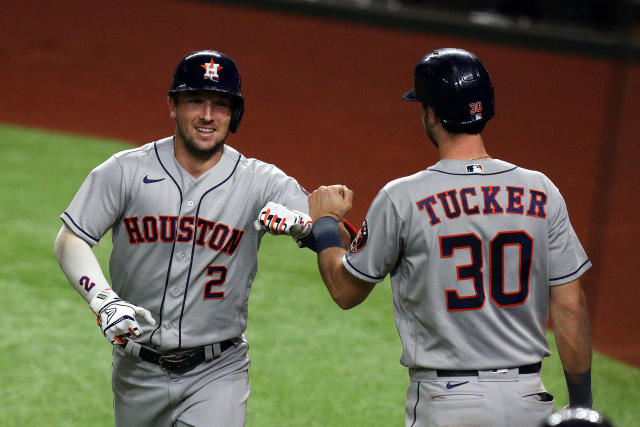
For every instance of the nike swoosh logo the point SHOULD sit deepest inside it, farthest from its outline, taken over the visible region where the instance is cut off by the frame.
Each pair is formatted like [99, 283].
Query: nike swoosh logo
[451, 385]
[148, 180]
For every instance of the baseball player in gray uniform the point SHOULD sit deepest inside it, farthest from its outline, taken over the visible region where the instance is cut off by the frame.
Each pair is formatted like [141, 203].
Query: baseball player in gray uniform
[182, 212]
[479, 251]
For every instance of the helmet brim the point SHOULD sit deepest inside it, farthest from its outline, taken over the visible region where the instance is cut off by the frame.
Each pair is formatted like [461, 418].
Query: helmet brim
[411, 96]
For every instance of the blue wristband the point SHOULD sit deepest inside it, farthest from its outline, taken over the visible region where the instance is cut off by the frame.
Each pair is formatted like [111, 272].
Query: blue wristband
[325, 233]
[579, 388]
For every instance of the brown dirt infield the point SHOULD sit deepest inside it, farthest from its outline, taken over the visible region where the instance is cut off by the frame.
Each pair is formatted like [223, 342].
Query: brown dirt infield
[323, 103]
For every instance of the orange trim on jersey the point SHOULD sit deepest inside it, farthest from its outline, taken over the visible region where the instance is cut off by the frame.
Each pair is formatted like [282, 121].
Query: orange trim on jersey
[537, 204]
[150, 228]
[426, 204]
[212, 271]
[465, 203]
[477, 287]
[445, 205]
[133, 230]
[233, 242]
[528, 278]
[514, 202]
[220, 239]
[491, 205]
[186, 226]
[204, 226]
[168, 235]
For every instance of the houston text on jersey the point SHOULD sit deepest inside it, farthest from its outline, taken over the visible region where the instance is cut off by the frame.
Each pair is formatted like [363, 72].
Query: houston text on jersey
[167, 229]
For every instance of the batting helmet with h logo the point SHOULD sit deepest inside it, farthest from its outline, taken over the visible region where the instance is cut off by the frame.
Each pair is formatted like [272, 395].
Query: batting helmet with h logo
[209, 70]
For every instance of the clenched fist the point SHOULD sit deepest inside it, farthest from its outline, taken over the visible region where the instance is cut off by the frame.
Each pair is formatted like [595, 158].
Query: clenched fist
[334, 201]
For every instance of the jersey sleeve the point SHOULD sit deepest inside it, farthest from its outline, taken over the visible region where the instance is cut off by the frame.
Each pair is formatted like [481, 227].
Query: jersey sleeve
[567, 258]
[376, 248]
[98, 203]
[285, 190]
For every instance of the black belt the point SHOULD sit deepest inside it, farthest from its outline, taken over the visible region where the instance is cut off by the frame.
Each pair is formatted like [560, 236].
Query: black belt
[180, 361]
[527, 369]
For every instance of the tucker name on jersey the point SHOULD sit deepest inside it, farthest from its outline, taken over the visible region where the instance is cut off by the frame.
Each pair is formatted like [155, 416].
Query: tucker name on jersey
[483, 200]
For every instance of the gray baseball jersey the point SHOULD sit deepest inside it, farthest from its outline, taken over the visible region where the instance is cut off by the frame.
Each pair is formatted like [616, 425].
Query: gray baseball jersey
[183, 248]
[472, 248]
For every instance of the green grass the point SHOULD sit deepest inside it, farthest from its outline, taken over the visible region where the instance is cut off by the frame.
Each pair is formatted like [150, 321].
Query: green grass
[313, 364]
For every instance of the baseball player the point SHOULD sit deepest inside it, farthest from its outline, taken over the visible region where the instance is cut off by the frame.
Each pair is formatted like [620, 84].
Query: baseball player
[479, 250]
[182, 211]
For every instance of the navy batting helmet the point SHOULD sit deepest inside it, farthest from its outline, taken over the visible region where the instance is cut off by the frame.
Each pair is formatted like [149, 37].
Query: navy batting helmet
[455, 83]
[576, 417]
[210, 70]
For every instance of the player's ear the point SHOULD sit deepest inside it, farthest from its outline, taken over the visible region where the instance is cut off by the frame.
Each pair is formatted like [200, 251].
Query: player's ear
[431, 115]
[172, 107]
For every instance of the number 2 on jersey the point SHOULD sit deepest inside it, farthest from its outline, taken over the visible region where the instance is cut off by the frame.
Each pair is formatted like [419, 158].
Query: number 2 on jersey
[473, 271]
[219, 276]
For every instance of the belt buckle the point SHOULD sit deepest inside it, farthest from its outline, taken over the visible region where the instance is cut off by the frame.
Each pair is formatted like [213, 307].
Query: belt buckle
[179, 363]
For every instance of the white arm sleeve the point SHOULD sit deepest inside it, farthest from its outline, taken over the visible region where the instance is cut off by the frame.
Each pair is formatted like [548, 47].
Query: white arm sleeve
[79, 264]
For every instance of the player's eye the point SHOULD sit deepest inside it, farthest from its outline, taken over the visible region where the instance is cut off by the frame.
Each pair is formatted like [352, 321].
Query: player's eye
[223, 103]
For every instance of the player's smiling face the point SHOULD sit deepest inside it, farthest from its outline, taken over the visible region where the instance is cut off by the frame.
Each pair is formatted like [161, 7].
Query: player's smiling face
[202, 121]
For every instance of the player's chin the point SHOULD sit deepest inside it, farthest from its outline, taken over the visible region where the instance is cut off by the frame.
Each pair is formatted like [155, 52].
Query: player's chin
[205, 148]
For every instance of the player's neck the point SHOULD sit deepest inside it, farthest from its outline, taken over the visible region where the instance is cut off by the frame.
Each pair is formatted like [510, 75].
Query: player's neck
[462, 147]
[197, 163]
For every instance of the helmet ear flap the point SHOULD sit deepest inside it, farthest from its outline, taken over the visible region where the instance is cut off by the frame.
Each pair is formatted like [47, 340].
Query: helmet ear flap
[236, 117]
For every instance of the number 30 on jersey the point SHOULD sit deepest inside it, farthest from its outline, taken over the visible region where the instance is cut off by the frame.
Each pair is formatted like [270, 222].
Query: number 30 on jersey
[474, 271]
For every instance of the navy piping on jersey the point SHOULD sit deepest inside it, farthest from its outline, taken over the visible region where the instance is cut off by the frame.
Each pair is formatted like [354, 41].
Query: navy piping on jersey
[80, 228]
[364, 274]
[570, 274]
[469, 174]
[193, 247]
[173, 246]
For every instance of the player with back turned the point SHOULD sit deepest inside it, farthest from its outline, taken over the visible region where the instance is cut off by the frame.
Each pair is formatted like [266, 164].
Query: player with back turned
[182, 212]
[479, 251]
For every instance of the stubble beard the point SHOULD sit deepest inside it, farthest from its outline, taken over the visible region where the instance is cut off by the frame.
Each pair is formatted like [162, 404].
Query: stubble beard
[198, 153]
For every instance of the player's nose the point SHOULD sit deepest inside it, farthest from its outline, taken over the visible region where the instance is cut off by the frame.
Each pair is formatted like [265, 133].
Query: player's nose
[207, 112]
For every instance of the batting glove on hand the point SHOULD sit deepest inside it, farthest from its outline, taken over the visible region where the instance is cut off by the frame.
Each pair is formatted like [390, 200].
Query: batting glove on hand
[277, 219]
[117, 318]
